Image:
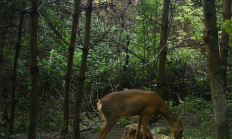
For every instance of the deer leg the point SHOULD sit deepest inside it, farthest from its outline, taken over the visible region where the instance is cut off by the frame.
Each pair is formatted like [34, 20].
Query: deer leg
[138, 127]
[144, 121]
[109, 123]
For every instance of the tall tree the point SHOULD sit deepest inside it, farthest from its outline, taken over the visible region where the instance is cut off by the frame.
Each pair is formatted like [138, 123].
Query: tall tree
[215, 71]
[7, 21]
[225, 39]
[81, 78]
[17, 48]
[34, 71]
[163, 49]
[75, 24]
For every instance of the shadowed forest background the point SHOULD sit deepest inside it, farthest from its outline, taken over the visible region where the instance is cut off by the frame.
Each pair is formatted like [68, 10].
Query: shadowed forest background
[55, 68]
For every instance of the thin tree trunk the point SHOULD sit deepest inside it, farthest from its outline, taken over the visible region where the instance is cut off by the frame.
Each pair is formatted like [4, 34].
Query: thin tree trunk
[164, 49]
[34, 71]
[124, 80]
[215, 71]
[75, 25]
[17, 48]
[5, 21]
[81, 79]
[225, 39]
[127, 55]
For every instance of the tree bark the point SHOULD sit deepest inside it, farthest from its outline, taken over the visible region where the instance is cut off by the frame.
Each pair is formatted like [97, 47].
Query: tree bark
[225, 40]
[81, 79]
[17, 48]
[34, 71]
[215, 71]
[75, 24]
[163, 49]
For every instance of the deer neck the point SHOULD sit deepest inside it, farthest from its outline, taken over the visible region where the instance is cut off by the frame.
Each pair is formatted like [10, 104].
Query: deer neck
[169, 115]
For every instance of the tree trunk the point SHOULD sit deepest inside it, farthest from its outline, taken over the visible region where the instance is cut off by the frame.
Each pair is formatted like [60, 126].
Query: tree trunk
[17, 48]
[163, 49]
[81, 79]
[225, 40]
[34, 71]
[127, 55]
[75, 25]
[215, 71]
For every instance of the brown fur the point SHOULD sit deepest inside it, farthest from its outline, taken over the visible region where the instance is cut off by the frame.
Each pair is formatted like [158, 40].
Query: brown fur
[136, 102]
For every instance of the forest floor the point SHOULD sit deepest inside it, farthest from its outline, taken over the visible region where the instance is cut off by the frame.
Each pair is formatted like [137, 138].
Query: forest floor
[196, 125]
[160, 125]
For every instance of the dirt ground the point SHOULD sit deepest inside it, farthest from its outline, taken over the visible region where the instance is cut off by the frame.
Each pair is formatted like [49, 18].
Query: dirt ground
[115, 133]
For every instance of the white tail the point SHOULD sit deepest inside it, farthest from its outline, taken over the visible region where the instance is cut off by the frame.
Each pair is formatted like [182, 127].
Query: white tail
[136, 102]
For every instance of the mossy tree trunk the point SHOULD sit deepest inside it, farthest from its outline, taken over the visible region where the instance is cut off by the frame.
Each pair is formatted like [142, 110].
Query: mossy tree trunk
[34, 71]
[81, 79]
[215, 71]
[75, 24]
[225, 39]
[163, 49]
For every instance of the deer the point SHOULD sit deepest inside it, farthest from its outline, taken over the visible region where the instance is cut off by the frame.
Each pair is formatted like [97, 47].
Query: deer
[134, 102]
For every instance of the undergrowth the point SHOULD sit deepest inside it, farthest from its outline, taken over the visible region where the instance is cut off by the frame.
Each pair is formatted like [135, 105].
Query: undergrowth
[196, 113]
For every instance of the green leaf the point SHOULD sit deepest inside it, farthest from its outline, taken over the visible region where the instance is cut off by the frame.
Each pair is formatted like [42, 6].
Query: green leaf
[219, 20]
[228, 26]
[229, 30]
